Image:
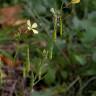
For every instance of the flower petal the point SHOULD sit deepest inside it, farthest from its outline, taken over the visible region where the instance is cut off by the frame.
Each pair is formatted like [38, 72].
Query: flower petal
[28, 23]
[29, 28]
[35, 31]
[34, 25]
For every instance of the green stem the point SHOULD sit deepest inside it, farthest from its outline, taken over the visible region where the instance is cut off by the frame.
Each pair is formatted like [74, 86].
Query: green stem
[61, 27]
[55, 29]
[27, 63]
[28, 59]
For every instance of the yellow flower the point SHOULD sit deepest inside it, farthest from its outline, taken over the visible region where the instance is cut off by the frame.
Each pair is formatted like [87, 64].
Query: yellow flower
[75, 1]
[32, 27]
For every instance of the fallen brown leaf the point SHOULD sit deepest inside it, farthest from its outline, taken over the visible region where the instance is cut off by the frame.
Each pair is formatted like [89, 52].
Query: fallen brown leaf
[9, 62]
[10, 16]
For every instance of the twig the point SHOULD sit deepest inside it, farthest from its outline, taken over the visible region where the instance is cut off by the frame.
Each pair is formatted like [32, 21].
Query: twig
[72, 84]
[13, 88]
[85, 85]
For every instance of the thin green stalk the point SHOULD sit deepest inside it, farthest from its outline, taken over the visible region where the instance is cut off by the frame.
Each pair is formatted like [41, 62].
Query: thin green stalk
[61, 27]
[0, 73]
[55, 28]
[27, 63]
[86, 9]
[51, 52]
[28, 59]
